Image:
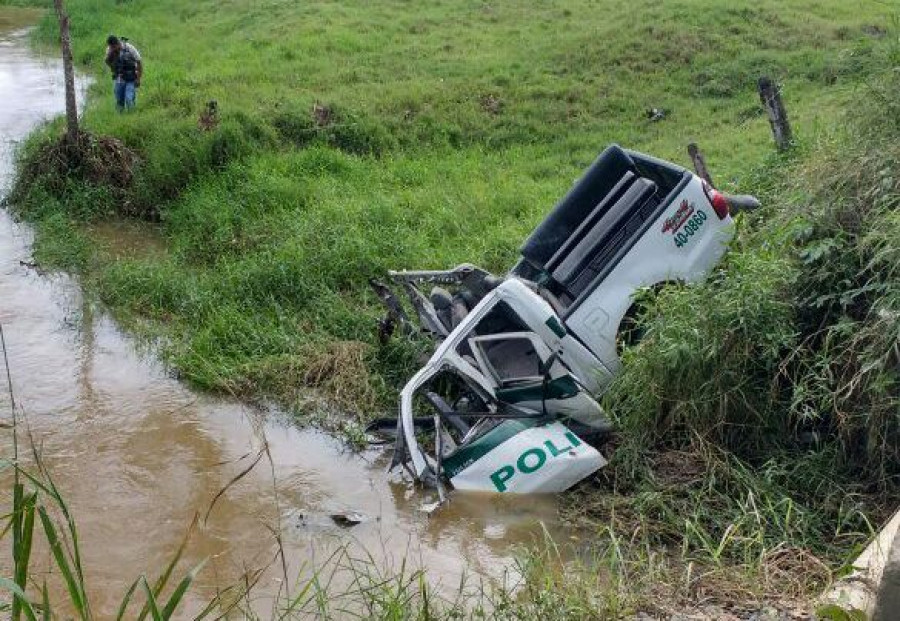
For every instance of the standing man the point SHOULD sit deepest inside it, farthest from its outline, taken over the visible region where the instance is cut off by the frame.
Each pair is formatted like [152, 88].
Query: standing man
[124, 61]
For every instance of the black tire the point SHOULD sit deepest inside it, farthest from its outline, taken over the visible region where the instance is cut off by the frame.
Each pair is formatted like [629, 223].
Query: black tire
[629, 333]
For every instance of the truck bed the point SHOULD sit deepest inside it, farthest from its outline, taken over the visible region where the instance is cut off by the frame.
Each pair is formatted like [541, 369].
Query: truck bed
[594, 225]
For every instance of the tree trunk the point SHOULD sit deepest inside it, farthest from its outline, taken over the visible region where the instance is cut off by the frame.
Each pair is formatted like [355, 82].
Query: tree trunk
[66, 44]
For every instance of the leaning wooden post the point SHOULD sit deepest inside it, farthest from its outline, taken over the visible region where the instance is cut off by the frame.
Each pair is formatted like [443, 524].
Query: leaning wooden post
[770, 96]
[699, 163]
[65, 43]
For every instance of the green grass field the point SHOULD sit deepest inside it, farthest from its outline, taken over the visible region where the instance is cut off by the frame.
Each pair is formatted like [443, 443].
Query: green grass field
[444, 132]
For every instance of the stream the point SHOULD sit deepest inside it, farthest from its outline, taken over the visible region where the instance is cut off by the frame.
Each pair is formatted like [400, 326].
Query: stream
[137, 455]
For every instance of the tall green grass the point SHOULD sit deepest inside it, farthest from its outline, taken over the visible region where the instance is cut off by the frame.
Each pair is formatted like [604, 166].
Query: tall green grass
[791, 345]
[760, 414]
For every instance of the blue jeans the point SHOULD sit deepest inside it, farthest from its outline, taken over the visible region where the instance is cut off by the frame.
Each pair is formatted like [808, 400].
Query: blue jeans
[125, 93]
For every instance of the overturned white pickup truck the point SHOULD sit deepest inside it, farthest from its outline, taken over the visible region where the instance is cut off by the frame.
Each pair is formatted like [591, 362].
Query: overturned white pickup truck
[506, 401]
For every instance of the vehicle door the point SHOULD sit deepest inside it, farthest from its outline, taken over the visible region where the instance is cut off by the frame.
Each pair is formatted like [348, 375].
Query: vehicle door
[524, 372]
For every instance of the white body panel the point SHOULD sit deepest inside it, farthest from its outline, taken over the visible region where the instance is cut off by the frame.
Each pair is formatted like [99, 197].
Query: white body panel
[547, 459]
[655, 258]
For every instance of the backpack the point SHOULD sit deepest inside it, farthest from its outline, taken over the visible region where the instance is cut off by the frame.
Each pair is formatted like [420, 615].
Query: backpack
[126, 63]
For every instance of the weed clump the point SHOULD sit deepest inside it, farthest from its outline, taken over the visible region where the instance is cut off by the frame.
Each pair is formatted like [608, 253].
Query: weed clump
[334, 126]
[339, 370]
[59, 165]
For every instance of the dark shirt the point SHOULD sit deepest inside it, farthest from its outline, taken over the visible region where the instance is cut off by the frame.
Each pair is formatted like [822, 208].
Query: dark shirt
[124, 63]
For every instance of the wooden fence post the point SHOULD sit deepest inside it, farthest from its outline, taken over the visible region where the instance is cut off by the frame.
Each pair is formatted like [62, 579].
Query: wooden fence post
[65, 43]
[699, 163]
[770, 96]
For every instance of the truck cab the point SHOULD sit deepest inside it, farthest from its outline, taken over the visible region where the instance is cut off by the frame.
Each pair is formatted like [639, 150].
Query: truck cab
[511, 385]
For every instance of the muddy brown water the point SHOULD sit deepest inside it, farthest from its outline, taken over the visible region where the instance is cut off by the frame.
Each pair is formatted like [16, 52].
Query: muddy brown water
[137, 454]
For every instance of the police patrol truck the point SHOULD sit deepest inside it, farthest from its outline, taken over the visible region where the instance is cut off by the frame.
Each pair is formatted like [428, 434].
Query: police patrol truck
[506, 402]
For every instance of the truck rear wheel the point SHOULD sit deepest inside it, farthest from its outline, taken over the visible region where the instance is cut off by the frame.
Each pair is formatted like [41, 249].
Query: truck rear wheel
[630, 333]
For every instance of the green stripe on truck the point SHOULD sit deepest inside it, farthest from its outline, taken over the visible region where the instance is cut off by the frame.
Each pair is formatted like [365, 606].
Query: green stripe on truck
[470, 453]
